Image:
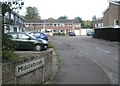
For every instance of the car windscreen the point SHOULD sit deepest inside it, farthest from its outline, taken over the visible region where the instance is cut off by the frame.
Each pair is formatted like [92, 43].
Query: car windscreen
[43, 35]
[38, 34]
[31, 36]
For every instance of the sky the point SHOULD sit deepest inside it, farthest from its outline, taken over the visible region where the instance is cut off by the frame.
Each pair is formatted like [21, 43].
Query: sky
[85, 9]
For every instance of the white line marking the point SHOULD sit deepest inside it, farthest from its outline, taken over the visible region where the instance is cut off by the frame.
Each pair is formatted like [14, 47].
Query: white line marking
[103, 50]
[107, 51]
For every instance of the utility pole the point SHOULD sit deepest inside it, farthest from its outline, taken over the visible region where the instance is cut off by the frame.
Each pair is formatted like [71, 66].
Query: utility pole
[34, 28]
[44, 26]
[73, 27]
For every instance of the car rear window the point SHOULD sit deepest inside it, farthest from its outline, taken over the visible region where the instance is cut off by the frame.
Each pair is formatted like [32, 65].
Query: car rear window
[42, 35]
[14, 36]
[23, 36]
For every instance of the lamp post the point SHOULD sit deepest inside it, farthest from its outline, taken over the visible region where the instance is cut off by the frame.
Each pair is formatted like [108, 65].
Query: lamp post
[44, 26]
[34, 28]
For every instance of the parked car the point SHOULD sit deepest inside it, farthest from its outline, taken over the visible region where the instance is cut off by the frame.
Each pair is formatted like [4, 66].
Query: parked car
[71, 34]
[39, 35]
[90, 33]
[26, 41]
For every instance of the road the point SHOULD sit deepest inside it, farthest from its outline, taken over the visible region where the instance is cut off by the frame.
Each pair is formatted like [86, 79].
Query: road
[85, 60]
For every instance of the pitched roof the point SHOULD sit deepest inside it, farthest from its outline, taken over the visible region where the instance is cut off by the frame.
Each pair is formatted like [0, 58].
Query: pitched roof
[17, 15]
[115, 2]
[53, 21]
[62, 21]
[111, 2]
[34, 21]
[59, 28]
[55, 28]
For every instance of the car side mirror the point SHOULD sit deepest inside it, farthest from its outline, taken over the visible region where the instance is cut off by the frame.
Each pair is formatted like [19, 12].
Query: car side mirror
[29, 38]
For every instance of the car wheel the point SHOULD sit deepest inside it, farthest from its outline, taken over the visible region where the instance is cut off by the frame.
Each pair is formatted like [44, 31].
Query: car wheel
[38, 47]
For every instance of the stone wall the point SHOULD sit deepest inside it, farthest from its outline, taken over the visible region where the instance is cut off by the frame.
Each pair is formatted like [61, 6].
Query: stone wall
[37, 76]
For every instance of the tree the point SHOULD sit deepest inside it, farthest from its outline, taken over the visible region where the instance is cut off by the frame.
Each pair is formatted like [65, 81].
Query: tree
[63, 17]
[32, 13]
[94, 18]
[7, 44]
[88, 24]
[50, 18]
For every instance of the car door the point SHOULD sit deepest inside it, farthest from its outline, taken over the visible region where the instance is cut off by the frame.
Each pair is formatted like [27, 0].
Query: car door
[24, 42]
[15, 39]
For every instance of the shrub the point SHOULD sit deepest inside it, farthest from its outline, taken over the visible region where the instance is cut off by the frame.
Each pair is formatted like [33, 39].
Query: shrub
[50, 45]
[7, 43]
[7, 49]
[8, 55]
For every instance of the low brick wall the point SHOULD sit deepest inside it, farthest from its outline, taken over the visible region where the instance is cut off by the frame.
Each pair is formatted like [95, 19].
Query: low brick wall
[37, 76]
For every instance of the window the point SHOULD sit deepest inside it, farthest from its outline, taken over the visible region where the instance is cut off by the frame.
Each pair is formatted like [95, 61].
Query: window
[116, 22]
[96, 25]
[15, 29]
[42, 35]
[102, 24]
[20, 21]
[46, 31]
[14, 36]
[61, 30]
[37, 34]
[66, 24]
[12, 16]
[23, 36]
[55, 24]
[16, 18]
[27, 25]
[54, 30]
[99, 24]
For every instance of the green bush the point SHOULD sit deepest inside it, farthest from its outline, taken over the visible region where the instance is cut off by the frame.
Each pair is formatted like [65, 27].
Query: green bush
[9, 56]
[7, 43]
[59, 34]
[8, 47]
[50, 45]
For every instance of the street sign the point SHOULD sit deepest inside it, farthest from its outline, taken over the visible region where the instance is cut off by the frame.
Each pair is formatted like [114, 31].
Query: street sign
[28, 66]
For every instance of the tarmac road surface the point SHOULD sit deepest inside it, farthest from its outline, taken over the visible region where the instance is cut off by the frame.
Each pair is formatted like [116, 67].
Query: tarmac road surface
[85, 60]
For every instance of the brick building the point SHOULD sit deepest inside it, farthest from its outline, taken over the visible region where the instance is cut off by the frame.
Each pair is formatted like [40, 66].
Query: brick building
[54, 26]
[111, 16]
[13, 22]
[111, 23]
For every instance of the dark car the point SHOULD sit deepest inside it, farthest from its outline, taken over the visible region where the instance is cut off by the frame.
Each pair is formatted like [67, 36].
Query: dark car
[90, 33]
[39, 35]
[71, 34]
[25, 41]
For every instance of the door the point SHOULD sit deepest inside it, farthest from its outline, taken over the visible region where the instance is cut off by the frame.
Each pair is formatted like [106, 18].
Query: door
[15, 29]
[24, 42]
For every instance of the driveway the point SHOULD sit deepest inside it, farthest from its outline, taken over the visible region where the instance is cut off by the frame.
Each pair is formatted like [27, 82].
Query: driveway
[85, 60]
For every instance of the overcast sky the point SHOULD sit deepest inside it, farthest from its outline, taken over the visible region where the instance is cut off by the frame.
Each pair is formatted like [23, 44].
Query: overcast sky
[71, 8]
